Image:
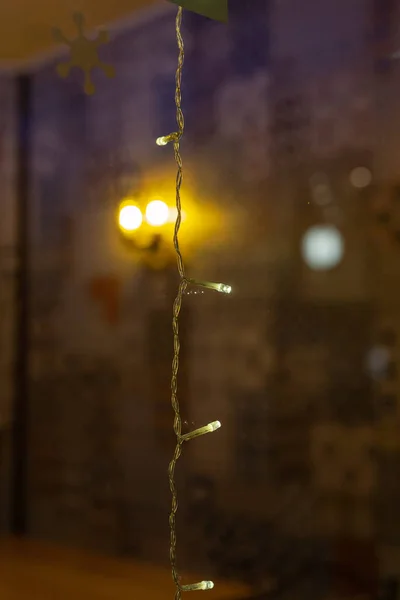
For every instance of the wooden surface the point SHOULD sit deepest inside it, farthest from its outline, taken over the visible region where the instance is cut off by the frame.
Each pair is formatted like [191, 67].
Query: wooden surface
[37, 571]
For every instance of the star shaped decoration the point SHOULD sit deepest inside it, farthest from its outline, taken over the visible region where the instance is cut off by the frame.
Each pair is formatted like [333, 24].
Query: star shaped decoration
[84, 53]
[213, 9]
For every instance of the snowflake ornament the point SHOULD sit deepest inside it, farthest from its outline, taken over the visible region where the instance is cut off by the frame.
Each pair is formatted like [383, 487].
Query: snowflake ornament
[84, 54]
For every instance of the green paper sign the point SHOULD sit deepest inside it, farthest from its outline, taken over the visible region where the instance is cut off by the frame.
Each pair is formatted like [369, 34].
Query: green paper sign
[213, 9]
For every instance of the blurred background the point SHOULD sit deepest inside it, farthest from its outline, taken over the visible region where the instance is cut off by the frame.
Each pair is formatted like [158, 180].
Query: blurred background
[292, 196]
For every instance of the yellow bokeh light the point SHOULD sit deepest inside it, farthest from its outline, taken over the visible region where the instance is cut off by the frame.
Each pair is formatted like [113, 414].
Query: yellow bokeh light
[130, 217]
[157, 213]
[202, 220]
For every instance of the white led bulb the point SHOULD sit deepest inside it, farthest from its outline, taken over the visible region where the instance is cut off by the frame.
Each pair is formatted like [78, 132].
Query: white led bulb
[223, 288]
[201, 431]
[202, 585]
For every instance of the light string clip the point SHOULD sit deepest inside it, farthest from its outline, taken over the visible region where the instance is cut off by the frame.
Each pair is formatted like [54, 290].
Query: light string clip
[183, 284]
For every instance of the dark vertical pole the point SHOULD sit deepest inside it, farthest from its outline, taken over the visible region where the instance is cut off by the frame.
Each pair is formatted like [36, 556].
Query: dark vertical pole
[21, 348]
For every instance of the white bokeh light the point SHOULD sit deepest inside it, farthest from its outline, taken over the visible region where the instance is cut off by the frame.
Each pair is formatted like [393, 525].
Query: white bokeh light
[360, 177]
[322, 247]
[378, 359]
[130, 217]
[157, 213]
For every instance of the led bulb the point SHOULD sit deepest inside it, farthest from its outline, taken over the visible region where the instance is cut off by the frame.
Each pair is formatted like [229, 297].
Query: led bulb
[223, 288]
[201, 431]
[166, 139]
[202, 585]
[214, 426]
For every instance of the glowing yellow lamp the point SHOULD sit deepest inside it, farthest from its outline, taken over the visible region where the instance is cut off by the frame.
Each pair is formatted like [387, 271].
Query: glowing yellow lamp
[157, 213]
[130, 217]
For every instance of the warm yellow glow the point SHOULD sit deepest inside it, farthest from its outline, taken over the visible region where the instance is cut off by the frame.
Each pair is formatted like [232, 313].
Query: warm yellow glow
[202, 220]
[130, 217]
[157, 213]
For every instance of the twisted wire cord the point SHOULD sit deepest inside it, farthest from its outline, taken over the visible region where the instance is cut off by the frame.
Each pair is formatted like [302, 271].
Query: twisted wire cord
[183, 284]
[177, 308]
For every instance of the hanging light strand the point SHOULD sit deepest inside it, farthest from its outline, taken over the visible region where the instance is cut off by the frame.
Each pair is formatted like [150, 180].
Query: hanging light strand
[177, 305]
[183, 284]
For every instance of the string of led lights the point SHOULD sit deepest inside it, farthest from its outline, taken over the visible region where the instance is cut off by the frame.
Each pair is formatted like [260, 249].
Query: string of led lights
[183, 285]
